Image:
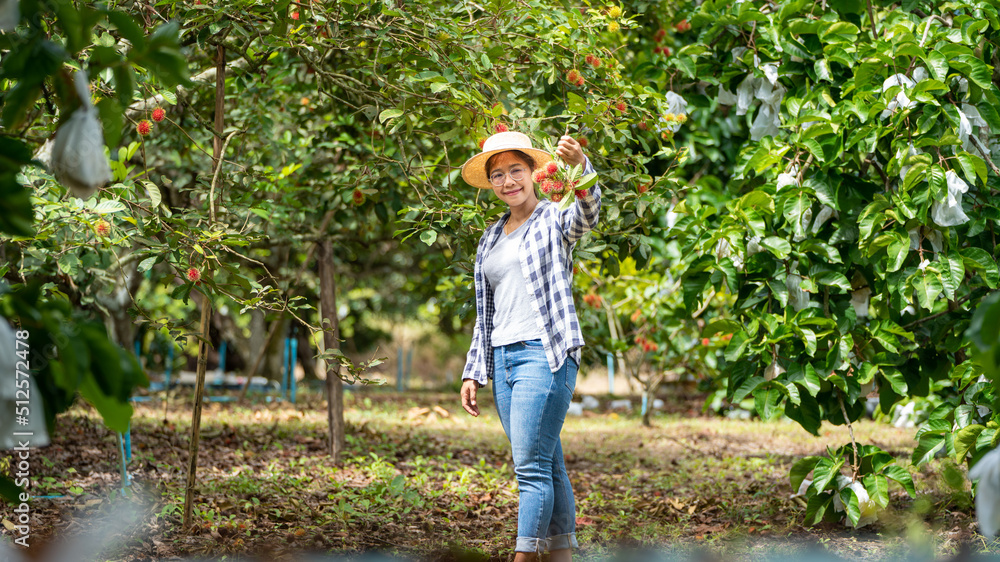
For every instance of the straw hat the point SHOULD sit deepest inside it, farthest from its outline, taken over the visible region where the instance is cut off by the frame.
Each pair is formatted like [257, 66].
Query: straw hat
[474, 169]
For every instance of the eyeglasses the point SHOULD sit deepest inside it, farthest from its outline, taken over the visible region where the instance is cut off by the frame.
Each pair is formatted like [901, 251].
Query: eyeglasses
[498, 178]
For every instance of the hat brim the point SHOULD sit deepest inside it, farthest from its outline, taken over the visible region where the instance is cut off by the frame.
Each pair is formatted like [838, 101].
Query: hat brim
[474, 169]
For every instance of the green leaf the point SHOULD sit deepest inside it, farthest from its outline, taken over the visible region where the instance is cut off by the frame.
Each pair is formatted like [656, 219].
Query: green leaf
[965, 440]
[952, 274]
[16, 216]
[766, 401]
[685, 64]
[147, 263]
[873, 216]
[825, 471]
[756, 199]
[116, 413]
[19, 99]
[794, 209]
[976, 70]
[807, 412]
[817, 507]
[737, 346]
[927, 287]
[68, 263]
[389, 114]
[112, 120]
[586, 182]
[850, 500]
[109, 206]
[902, 477]
[9, 490]
[154, 193]
[984, 329]
[576, 103]
[980, 261]
[128, 28]
[898, 249]
[973, 166]
[838, 32]
[746, 388]
[800, 470]
[926, 448]
[777, 246]
[807, 378]
[896, 380]
[937, 65]
[428, 237]
[934, 426]
[721, 326]
[877, 487]
[833, 279]
[938, 183]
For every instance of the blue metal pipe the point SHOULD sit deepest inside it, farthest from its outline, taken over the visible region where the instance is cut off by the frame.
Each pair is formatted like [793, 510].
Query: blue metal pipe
[409, 363]
[291, 370]
[399, 371]
[128, 444]
[284, 376]
[222, 357]
[121, 454]
[170, 364]
[611, 374]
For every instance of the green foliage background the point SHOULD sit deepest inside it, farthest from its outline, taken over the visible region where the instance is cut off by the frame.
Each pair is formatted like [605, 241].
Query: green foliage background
[793, 229]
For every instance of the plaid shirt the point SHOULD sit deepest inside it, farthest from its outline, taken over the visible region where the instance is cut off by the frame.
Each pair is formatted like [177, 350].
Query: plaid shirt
[546, 254]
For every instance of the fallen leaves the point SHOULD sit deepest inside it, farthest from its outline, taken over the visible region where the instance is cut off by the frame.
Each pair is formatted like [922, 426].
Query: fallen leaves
[266, 483]
[420, 415]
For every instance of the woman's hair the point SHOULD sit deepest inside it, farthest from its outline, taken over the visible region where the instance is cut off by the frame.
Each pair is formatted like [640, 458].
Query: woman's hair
[520, 155]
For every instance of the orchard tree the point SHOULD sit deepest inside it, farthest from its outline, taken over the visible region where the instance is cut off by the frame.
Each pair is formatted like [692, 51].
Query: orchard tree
[857, 225]
[328, 124]
[67, 350]
[639, 317]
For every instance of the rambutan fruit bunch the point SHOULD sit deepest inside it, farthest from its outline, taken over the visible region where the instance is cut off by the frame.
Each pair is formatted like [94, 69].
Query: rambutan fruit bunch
[558, 180]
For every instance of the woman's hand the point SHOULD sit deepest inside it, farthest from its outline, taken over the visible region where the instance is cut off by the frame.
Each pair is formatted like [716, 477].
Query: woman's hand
[469, 388]
[570, 151]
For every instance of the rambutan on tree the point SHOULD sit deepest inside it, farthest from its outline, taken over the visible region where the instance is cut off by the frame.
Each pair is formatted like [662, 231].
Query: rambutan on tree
[854, 223]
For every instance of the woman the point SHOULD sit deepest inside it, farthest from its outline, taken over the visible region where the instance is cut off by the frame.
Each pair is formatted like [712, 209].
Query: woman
[527, 337]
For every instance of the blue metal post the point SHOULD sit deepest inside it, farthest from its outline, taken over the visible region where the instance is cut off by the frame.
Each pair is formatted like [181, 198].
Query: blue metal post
[125, 439]
[121, 454]
[409, 363]
[645, 399]
[284, 378]
[611, 374]
[128, 444]
[399, 371]
[170, 365]
[222, 357]
[291, 369]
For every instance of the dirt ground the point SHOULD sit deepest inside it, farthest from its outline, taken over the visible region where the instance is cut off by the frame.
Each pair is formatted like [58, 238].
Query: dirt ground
[422, 480]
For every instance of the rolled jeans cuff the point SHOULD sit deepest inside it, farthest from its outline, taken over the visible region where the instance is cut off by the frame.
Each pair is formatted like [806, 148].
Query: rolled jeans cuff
[562, 542]
[531, 544]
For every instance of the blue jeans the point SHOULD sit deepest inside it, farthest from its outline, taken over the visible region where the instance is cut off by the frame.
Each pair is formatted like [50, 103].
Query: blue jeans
[532, 402]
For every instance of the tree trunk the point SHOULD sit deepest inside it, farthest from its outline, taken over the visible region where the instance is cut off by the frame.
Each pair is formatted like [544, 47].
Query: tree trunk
[650, 390]
[331, 340]
[199, 390]
[206, 302]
